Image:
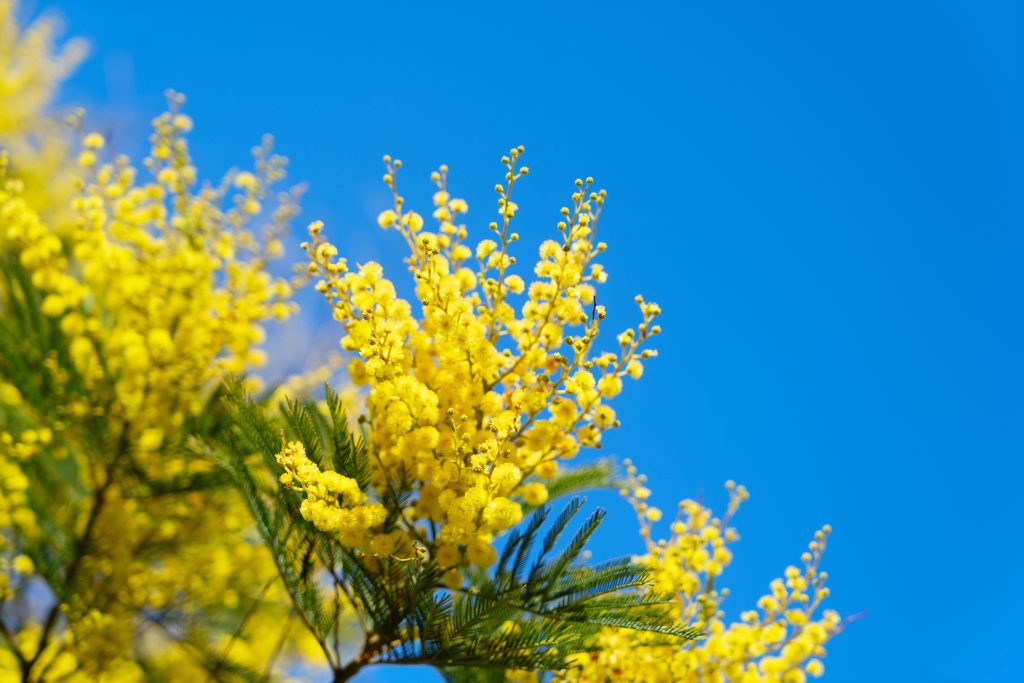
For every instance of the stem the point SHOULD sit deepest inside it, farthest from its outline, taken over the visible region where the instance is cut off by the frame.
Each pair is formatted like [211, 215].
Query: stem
[269, 669]
[8, 636]
[81, 549]
[374, 645]
[219, 664]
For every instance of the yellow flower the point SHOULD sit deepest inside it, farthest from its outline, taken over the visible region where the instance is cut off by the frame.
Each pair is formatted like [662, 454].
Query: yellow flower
[815, 668]
[151, 439]
[481, 553]
[535, 494]
[93, 141]
[452, 579]
[23, 564]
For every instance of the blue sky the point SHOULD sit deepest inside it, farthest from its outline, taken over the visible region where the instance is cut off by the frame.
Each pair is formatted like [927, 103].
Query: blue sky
[825, 198]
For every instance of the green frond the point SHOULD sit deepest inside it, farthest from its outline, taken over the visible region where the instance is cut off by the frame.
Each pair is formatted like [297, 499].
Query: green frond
[599, 474]
[555, 569]
[301, 417]
[518, 545]
[349, 456]
[253, 428]
[540, 605]
[563, 519]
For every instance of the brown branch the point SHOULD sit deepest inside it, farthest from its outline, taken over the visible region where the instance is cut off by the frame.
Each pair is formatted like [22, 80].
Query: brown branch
[374, 646]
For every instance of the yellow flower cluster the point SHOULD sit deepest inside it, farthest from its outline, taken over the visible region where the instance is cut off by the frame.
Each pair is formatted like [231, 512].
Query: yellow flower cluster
[333, 503]
[192, 553]
[16, 516]
[478, 395]
[160, 290]
[782, 641]
[31, 69]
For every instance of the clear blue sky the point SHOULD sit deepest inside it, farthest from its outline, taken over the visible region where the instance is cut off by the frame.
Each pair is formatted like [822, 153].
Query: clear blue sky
[826, 199]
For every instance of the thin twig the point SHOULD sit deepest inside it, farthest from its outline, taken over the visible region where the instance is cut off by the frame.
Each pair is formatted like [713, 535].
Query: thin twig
[279, 646]
[238, 631]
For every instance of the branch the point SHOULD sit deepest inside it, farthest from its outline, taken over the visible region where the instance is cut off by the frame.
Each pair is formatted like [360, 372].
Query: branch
[219, 664]
[81, 549]
[5, 631]
[374, 645]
